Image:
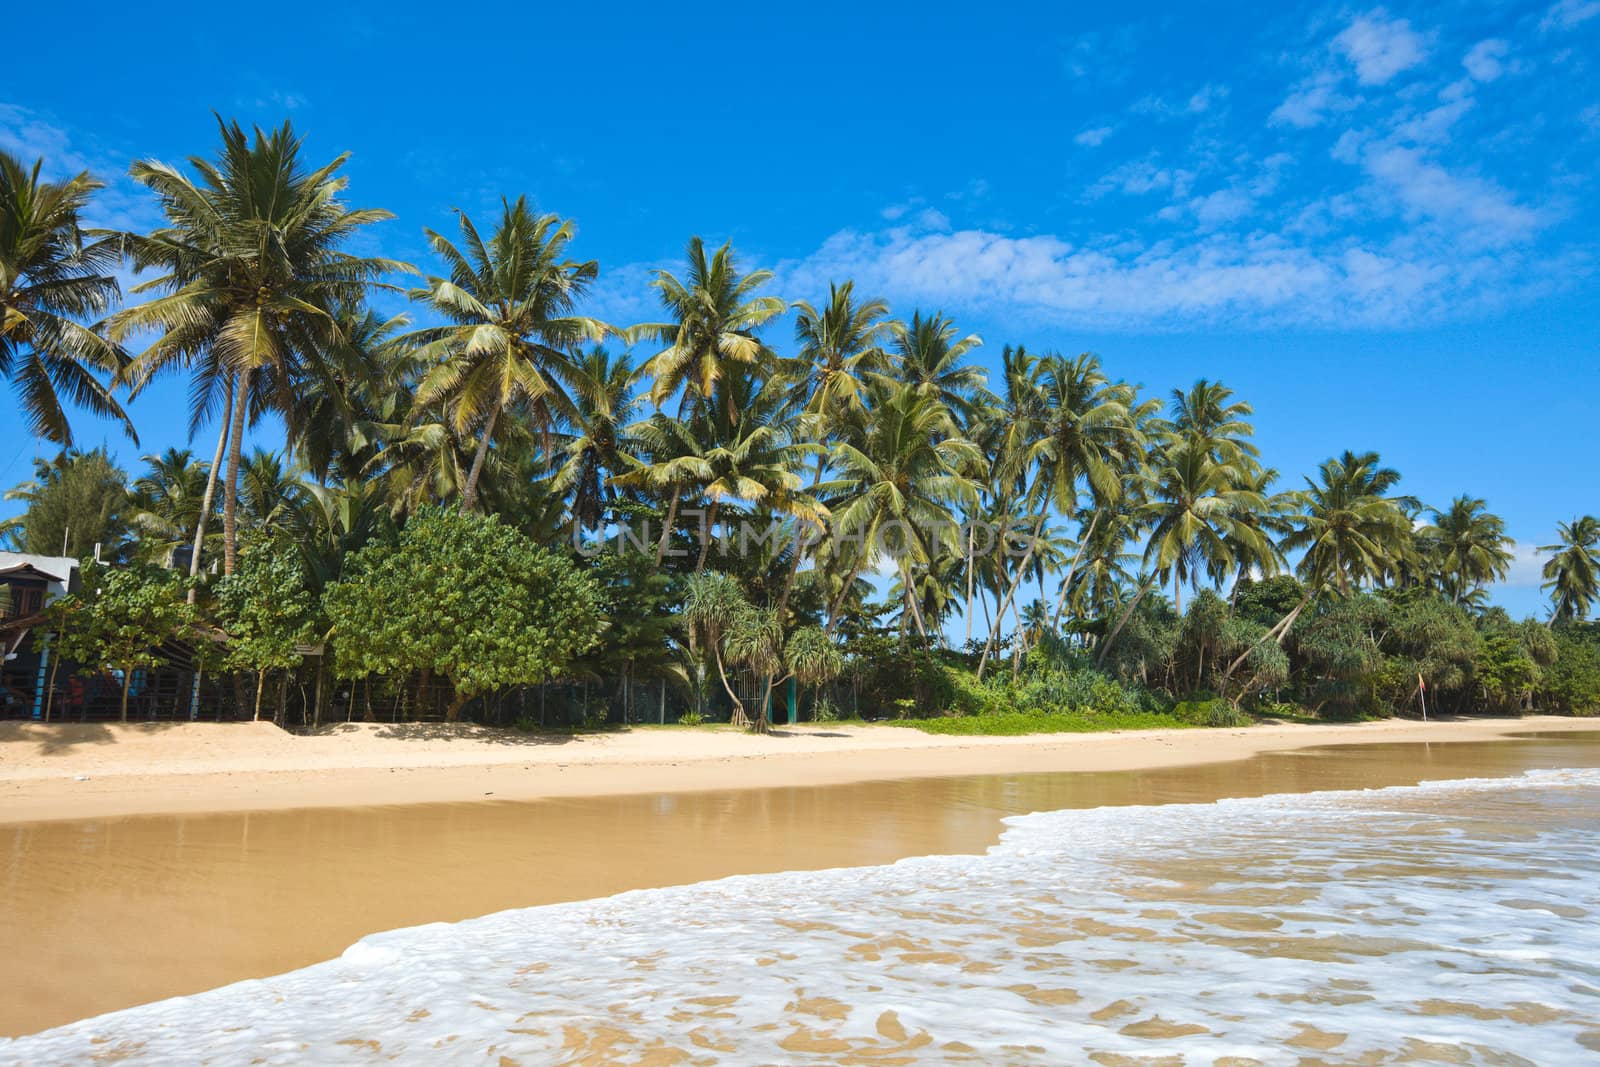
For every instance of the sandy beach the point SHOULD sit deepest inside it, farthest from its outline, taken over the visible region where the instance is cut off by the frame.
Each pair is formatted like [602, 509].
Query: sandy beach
[71, 771]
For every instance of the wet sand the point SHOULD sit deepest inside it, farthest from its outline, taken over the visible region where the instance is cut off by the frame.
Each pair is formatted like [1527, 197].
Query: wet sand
[110, 912]
[83, 771]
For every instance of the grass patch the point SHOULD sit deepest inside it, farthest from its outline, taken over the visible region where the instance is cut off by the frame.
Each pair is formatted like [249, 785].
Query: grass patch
[1017, 723]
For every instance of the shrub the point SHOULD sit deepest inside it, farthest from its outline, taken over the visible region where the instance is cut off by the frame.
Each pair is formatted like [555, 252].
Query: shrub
[1211, 712]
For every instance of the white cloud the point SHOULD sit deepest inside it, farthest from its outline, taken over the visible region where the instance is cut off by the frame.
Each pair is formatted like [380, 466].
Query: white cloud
[1380, 47]
[1475, 209]
[1208, 97]
[1253, 279]
[1138, 177]
[1213, 209]
[121, 205]
[1565, 14]
[1094, 136]
[1312, 101]
[1484, 61]
[1527, 566]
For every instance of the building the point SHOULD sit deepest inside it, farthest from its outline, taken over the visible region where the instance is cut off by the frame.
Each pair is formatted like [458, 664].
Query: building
[27, 584]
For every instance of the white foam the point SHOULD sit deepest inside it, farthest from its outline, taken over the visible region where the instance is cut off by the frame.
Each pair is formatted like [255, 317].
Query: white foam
[1383, 913]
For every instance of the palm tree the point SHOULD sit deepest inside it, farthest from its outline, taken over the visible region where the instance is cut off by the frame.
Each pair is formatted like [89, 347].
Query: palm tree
[1572, 573]
[839, 346]
[597, 443]
[899, 478]
[715, 317]
[51, 278]
[1350, 531]
[928, 355]
[1194, 515]
[1087, 434]
[168, 500]
[1204, 418]
[1468, 546]
[250, 272]
[509, 304]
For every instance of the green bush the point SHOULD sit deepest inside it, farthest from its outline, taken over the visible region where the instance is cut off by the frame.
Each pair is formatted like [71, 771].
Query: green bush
[1212, 712]
[691, 718]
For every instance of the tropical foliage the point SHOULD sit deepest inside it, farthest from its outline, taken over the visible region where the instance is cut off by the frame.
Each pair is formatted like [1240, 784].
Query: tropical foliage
[468, 490]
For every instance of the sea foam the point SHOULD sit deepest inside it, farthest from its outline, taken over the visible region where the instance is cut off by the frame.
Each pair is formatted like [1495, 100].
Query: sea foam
[1448, 922]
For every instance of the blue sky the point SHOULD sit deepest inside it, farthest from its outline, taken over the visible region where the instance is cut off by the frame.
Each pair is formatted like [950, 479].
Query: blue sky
[1377, 224]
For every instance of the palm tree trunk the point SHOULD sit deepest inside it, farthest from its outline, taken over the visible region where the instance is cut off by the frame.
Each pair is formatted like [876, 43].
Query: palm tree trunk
[261, 683]
[1077, 557]
[469, 495]
[210, 493]
[1122, 620]
[1022, 570]
[844, 591]
[1277, 633]
[666, 529]
[972, 531]
[706, 537]
[127, 682]
[911, 601]
[230, 492]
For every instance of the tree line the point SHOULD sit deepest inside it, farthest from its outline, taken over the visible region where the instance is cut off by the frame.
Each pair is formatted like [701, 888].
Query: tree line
[451, 482]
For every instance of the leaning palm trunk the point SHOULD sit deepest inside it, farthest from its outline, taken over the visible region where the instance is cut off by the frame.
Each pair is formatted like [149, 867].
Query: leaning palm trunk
[230, 496]
[210, 493]
[1122, 620]
[1277, 633]
[1066, 583]
[469, 495]
[666, 528]
[707, 535]
[911, 602]
[1011, 591]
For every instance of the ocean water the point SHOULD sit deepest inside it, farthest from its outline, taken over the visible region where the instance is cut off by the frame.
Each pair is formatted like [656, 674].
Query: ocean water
[1451, 922]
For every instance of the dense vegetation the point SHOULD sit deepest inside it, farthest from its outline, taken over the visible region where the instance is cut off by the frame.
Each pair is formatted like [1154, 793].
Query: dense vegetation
[495, 492]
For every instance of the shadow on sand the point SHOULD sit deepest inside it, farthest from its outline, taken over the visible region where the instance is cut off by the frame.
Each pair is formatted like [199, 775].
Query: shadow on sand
[443, 731]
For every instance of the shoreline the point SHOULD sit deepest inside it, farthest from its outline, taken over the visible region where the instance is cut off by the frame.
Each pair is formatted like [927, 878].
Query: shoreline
[74, 772]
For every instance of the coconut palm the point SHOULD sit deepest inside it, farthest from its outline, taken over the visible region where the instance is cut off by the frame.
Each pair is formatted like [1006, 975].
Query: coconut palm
[928, 355]
[1194, 515]
[900, 477]
[839, 346]
[1086, 436]
[716, 315]
[1204, 418]
[1350, 530]
[509, 303]
[372, 368]
[596, 443]
[1468, 547]
[249, 271]
[167, 502]
[52, 278]
[1572, 573]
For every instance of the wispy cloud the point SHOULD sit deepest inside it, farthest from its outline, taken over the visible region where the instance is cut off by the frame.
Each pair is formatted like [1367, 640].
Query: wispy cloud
[31, 135]
[1380, 47]
[1312, 101]
[1565, 14]
[1119, 282]
[1486, 60]
[1475, 209]
[1094, 136]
